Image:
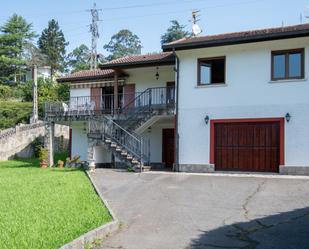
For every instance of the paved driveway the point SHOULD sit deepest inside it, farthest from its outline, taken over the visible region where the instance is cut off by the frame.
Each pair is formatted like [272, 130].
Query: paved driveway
[182, 211]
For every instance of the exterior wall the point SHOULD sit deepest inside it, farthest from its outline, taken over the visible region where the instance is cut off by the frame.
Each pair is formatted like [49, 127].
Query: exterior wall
[79, 141]
[82, 92]
[101, 155]
[144, 78]
[155, 136]
[248, 93]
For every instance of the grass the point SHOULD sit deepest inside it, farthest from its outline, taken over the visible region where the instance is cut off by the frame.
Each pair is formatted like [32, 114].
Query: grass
[45, 208]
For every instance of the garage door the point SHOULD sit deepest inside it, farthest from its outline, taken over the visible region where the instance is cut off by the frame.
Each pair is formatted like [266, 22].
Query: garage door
[252, 146]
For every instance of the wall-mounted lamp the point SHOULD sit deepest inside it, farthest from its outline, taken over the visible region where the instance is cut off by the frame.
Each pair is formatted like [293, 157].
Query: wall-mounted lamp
[287, 117]
[206, 119]
[149, 129]
[85, 127]
[157, 74]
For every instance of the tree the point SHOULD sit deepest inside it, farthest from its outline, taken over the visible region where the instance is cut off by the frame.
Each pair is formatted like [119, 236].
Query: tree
[52, 43]
[174, 32]
[122, 44]
[16, 33]
[79, 58]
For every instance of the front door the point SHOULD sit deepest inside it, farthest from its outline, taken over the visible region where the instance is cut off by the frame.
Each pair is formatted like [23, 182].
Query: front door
[168, 146]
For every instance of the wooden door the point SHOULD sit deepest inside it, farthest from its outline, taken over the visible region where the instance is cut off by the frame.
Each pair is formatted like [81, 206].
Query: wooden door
[252, 146]
[96, 94]
[129, 95]
[168, 147]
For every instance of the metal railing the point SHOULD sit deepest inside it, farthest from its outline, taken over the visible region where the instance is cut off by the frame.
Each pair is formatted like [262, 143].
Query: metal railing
[87, 105]
[137, 146]
[143, 105]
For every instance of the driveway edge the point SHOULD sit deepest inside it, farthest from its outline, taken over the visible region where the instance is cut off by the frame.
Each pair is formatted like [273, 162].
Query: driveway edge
[98, 233]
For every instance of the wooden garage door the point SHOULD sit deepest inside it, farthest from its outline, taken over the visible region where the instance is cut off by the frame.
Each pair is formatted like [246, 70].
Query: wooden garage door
[252, 146]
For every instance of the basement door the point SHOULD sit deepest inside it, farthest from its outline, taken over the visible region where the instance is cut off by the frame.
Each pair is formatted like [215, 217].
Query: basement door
[168, 147]
[247, 146]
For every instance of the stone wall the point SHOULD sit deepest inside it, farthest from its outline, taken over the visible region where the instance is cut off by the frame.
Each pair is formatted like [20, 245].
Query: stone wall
[18, 141]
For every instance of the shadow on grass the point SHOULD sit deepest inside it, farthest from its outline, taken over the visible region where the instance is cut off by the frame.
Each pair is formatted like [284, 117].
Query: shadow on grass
[288, 230]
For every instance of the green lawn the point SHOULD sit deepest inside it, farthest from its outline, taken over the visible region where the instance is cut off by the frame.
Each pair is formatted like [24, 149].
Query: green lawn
[45, 208]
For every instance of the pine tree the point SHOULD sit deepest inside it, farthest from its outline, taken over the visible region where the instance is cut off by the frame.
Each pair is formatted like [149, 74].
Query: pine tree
[52, 43]
[16, 33]
[174, 32]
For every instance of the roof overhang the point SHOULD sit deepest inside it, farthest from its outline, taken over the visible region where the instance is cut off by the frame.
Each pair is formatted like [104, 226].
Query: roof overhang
[234, 41]
[139, 64]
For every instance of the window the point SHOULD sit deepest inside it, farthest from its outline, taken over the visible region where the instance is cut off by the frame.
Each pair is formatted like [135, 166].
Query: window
[288, 64]
[211, 71]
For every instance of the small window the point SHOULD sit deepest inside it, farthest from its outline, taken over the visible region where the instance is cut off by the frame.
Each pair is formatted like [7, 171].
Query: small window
[288, 64]
[211, 71]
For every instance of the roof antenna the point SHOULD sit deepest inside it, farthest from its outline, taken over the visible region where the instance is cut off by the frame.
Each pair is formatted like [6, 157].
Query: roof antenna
[196, 30]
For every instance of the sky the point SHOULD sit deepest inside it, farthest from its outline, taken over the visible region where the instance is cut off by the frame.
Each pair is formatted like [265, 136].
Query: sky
[150, 19]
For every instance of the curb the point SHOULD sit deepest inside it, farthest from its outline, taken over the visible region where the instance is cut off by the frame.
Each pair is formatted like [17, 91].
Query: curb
[98, 233]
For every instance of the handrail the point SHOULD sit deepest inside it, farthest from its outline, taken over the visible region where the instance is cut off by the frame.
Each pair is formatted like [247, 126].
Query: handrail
[136, 145]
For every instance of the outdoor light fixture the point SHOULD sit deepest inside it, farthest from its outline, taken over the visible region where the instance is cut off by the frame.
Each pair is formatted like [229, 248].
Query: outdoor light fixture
[287, 117]
[149, 129]
[157, 74]
[206, 119]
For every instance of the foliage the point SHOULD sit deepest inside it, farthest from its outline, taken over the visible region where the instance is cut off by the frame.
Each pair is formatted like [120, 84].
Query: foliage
[15, 34]
[52, 43]
[14, 112]
[174, 32]
[122, 44]
[47, 91]
[43, 153]
[6, 92]
[79, 58]
[46, 208]
[37, 144]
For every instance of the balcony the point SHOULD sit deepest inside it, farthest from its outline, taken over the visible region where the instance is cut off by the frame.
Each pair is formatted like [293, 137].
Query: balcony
[162, 98]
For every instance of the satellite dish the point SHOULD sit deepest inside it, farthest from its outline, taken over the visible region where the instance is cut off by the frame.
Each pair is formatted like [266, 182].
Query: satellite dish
[196, 29]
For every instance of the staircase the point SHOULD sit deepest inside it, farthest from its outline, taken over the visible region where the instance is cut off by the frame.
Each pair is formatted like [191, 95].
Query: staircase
[129, 148]
[150, 103]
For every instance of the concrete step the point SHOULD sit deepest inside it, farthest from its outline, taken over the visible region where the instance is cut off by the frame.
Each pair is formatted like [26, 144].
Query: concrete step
[108, 141]
[113, 145]
[118, 148]
[129, 157]
[124, 153]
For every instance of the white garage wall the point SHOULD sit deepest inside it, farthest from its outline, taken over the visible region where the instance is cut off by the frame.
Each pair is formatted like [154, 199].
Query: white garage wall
[248, 93]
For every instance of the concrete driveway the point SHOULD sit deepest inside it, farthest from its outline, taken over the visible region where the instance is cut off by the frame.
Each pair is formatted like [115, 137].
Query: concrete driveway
[182, 211]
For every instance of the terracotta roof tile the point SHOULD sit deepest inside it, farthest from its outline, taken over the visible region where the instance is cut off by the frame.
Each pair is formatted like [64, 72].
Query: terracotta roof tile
[244, 36]
[140, 59]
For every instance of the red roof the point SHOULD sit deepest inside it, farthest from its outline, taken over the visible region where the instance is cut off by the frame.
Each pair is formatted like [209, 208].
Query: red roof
[240, 37]
[87, 74]
[141, 60]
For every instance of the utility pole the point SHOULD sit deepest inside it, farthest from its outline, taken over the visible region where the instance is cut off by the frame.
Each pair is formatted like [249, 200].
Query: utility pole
[35, 115]
[94, 30]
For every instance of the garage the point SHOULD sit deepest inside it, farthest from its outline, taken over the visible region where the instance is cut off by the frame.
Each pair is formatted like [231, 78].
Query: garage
[251, 145]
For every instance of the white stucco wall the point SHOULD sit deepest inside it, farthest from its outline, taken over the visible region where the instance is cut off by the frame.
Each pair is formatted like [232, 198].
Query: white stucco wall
[79, 141]
[155, 136]
[101, 155]
[82, 92]
[144, 78]
[248, 93]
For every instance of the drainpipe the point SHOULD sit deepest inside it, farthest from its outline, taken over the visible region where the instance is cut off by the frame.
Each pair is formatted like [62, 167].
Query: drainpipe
[177, 107]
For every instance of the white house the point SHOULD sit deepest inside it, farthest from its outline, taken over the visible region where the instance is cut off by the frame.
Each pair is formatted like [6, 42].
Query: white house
[235, 102]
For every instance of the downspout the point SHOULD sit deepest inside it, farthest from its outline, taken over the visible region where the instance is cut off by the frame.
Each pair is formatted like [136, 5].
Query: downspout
[177, 108]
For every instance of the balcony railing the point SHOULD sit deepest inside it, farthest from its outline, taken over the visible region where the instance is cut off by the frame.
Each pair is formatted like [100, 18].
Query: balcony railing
[160, 97]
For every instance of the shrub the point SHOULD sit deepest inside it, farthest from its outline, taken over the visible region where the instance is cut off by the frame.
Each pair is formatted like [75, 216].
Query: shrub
[43, 153]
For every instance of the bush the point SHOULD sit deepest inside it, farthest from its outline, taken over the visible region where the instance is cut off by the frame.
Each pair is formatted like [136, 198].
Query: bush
[14, 112]
[43, 153]
[6, 92]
